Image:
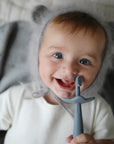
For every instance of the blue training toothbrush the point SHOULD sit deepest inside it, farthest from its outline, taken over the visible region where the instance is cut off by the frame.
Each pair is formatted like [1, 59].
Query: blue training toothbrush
[78, 100]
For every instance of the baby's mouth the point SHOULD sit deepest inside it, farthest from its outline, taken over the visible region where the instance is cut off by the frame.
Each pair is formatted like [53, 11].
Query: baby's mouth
[67, 85]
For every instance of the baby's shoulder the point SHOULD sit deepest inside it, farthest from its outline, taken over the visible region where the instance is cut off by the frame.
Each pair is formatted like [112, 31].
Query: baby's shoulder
[21, 91]
[101, 105]
[99, 100]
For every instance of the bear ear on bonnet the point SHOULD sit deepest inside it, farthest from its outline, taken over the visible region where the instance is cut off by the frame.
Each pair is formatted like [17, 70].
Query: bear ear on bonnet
[39, 12]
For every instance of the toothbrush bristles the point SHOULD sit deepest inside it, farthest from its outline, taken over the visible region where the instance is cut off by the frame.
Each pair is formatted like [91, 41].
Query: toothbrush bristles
[79, 80]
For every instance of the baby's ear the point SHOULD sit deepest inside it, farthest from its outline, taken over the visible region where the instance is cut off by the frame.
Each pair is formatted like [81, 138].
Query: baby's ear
[39, 13]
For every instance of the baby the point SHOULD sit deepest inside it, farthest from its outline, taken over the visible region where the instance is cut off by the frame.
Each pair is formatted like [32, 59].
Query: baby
[73, 43]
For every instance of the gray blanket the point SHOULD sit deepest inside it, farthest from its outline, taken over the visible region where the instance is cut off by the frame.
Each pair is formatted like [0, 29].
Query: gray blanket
[14, 42]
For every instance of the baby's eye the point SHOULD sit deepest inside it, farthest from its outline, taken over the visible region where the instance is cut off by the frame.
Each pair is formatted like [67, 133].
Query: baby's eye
[85, 61]
[58, 55]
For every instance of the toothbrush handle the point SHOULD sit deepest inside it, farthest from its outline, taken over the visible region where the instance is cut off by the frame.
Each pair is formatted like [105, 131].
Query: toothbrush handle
[78, 122]
[77, 90]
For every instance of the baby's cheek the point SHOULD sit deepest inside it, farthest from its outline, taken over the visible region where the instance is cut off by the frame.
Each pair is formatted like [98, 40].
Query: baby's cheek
[87, 81]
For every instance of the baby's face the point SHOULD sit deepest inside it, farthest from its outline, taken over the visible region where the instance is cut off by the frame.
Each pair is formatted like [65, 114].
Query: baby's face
[63, 56]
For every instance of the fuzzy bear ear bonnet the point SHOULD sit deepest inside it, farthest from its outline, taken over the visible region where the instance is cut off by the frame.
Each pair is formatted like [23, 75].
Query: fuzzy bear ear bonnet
[42, 16]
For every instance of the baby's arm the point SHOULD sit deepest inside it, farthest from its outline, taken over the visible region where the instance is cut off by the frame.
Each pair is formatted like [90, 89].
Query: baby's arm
[8, 104]
[87, 139]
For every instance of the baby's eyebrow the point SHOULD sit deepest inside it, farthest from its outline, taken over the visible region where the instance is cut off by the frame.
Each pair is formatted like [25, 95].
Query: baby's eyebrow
[55, 47]
[93, 56]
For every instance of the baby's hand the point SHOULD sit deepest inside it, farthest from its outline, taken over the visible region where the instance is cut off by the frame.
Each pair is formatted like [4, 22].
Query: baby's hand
[81, 139]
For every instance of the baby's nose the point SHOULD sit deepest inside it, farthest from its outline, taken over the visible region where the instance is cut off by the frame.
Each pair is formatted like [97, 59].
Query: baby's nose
[70, 68]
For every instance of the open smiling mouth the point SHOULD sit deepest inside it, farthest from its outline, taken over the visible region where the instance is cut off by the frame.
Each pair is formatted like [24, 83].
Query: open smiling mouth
[65, 85]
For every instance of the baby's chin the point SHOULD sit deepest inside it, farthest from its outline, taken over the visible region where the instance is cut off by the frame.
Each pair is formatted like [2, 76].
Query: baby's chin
[64, 94]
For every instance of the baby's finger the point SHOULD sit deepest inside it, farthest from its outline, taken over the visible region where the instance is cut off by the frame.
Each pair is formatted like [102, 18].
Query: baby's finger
[83, 138]
[68, 139]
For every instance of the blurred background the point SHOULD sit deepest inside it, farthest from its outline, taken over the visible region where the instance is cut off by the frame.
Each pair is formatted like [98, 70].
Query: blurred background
[11, 10]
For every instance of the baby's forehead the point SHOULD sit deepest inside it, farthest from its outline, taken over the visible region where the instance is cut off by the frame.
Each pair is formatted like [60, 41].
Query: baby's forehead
[58, 34]
[68, 29]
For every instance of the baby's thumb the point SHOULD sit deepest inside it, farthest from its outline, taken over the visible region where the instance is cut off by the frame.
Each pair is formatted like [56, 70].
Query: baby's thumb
[69, 139]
